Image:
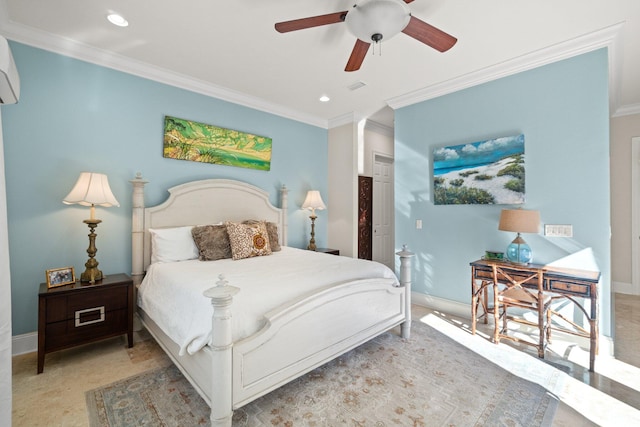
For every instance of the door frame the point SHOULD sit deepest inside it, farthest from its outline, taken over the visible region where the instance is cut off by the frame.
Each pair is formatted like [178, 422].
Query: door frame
[635, 218]
[376, 199]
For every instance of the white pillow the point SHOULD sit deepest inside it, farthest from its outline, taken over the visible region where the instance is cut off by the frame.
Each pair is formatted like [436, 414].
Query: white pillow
[172, 244]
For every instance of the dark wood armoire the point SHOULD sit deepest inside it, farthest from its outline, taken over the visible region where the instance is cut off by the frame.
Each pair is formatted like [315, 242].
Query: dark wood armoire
[365, 212]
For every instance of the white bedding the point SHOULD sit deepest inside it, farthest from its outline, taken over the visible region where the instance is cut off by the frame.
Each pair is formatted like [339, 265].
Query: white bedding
[172, 293]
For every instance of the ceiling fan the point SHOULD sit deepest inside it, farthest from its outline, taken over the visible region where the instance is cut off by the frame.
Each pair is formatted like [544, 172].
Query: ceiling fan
[374, 21]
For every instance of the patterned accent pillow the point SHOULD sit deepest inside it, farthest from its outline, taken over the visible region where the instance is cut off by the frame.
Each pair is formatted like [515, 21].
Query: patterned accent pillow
[248, 240]
[272, 231]
[212, 242]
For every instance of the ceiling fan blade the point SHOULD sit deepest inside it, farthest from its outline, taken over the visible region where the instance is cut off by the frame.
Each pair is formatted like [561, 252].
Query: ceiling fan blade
[429, 35]
[357, 55]
[313, 21]
[408, 1]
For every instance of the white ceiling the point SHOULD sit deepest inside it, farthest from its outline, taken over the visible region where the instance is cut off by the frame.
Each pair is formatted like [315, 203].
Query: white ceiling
[230, 49]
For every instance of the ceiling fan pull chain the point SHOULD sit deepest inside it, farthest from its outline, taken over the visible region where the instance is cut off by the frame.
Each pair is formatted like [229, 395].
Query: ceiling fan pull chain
[373, 48]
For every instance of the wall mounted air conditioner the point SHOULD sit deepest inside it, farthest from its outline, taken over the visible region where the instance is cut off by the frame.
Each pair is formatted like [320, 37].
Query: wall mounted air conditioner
[9, 79]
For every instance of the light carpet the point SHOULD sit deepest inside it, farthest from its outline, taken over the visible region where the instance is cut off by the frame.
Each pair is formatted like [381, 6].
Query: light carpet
[428, 380]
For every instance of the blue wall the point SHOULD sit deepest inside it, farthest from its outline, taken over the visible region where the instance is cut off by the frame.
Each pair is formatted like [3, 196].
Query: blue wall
[74, 116]
[562, 109]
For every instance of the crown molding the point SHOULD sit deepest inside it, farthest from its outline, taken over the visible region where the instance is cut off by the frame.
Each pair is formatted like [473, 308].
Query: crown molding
[74, 49]
[627, 110]
[343, 120]
[605, 37]
[379, 128]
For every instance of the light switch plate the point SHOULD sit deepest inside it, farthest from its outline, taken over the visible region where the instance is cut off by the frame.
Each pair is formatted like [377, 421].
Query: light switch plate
[558, 230]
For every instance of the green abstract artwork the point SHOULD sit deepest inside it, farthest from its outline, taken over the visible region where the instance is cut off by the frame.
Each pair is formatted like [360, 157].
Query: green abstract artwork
[199, 142]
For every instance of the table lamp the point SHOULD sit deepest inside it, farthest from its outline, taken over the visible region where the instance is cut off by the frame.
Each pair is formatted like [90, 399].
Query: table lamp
[312, 202]
[91, 189]
[520, 221]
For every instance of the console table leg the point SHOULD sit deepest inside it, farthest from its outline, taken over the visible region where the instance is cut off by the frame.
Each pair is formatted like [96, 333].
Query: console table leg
[474, 306]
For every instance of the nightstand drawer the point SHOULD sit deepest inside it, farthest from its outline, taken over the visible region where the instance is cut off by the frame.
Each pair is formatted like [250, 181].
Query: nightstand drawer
[65, 307]
[69, 332]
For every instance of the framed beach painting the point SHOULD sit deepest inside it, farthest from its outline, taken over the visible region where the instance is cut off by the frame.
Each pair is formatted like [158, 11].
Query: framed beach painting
[200, 142]
[484, 172]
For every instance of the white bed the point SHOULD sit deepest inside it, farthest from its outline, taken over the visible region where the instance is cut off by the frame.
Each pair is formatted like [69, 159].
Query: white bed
[252, 352]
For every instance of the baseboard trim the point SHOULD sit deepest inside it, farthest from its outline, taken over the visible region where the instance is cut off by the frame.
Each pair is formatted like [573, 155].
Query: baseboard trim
[441, 304]
[605, 343]
[624, 288]
[25, 343]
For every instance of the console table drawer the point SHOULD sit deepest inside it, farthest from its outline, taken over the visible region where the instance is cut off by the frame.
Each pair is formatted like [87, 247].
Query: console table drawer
[521, 276]
[565, 287]
[481, 274]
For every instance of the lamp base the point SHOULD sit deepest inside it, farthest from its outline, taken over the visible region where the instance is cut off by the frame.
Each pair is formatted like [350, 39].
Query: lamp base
[519, 252]
[312, 242]
[91, 274]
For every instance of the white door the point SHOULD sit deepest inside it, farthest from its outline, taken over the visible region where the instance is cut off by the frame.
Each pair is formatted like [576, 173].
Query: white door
[383, 210]
[635, 222]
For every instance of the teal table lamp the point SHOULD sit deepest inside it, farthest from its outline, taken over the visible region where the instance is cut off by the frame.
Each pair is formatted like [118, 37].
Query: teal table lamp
[520, 221]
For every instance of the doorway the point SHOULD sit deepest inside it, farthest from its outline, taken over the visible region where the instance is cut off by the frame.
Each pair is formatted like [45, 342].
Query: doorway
[635, 218]
[383, 210]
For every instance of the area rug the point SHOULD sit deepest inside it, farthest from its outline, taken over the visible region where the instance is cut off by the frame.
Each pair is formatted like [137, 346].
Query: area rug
[428, 380]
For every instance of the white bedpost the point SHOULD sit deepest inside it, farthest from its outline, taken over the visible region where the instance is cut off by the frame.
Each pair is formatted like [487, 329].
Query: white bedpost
[221, 355]
[284, 199]
[137, 229]
[405, 281]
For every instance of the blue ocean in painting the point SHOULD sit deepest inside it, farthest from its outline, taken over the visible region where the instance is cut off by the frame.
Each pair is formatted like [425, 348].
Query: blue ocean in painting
[481, 153]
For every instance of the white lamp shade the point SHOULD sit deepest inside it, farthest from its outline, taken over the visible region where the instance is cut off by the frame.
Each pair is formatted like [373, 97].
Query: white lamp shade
[91, 189]
[384, 17]
[519, 220]
[313, 201]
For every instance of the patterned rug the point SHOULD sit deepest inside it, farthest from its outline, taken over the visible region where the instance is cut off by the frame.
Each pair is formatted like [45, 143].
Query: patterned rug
[428, 380]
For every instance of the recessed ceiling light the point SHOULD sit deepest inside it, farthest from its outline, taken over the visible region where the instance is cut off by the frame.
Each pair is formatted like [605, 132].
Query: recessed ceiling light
[324, 98]
[118, 20]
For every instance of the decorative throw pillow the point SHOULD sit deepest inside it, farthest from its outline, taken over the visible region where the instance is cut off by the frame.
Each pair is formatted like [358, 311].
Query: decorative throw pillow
[248, 240]
[172, 244]
[272, 231]
[212, 242]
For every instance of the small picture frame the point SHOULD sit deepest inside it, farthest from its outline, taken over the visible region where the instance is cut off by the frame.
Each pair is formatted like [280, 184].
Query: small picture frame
[60, 277]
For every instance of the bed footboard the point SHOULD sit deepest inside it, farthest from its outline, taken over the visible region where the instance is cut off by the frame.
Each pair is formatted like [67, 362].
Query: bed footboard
[301, 336]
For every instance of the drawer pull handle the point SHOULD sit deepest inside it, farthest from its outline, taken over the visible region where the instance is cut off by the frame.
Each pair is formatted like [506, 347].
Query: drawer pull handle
[79, 313]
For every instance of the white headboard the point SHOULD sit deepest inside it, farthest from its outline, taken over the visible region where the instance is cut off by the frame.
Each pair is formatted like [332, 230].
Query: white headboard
[209, 201]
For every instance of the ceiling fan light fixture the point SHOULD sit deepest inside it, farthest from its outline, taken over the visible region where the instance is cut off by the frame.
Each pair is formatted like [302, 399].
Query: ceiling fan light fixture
[377, 20]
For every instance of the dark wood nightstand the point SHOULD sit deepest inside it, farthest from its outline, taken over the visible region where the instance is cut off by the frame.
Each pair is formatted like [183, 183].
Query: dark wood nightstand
[328, 251]
[81, 313]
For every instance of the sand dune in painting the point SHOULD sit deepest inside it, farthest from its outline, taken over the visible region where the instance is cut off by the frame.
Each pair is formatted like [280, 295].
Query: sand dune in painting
[494, 186]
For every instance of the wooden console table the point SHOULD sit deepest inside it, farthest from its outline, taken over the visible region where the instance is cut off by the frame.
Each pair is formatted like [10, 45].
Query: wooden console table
[560, 283]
